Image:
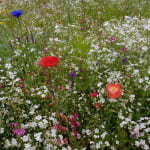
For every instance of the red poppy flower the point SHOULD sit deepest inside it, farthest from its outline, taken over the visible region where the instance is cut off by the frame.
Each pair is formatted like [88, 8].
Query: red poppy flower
[49, 61]
[114, 90]
[94, 94]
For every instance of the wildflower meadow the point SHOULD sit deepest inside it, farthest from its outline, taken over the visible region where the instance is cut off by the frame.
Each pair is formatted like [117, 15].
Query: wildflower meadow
[75, 75]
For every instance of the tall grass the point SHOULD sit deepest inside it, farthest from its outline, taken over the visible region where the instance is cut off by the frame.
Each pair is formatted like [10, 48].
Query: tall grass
[98, 43]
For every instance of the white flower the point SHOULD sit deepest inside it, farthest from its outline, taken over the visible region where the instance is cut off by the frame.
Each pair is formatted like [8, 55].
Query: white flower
[142, 126]
[96, 130]
[33, 124]
[43, 95]
[48, 146]
[99, 84]
[83, 131]
[142, 142]
[52, 118]
[7, 144]
[8, 66]
[149, 139]
[27, 146]
[96, 136]
[45, 121]
[69, 148]
[32, 112]
[28, 101]
[14, 142]
[98, 145]
[38, 136]
[120, 116]
[25, 138]
[32, 49]
[36, 106]
[112, 147]
[88, 132]
[147, 130]
[107, 143]
[103, 135]
[140, 80]
[42, 125]
[53, 131]
[39, 117]
[135, 72]
[146, 147]
[11, 75]
[146, 78]
[122, 124]
[137, 143]
[117, 142]
[112, 100]
[16, 80]
[2, 130]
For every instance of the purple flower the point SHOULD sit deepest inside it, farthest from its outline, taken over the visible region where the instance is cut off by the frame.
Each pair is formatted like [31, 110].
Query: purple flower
[10, 44]
[16, 13]
[97, 63]
[124, 60]
[27, 39]
[72, 75]
[80, 70]
[18, 39]
[72, 83]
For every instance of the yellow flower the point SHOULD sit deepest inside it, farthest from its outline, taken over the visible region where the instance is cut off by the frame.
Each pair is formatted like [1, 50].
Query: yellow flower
[1, 22]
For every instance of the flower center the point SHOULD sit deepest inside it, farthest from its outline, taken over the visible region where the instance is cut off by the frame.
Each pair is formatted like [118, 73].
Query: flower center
[113, 89]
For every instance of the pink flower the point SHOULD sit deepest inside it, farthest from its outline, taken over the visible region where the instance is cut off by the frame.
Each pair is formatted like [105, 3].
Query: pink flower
[78, 124]
[74, 124]
[75, 115]
[82, 28]
[127, 75]
[19, 132]
[14, 125]
[59, 141]
[46, 5]
[112, 39]
[70, 123]
[82, 21]
[77, 134]
[94, 94]
[60, 88]
[63, 117]
[73, 127]
[56, 126]
[123, 49]
[97, 105]
[65, 140]
[62, 129]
